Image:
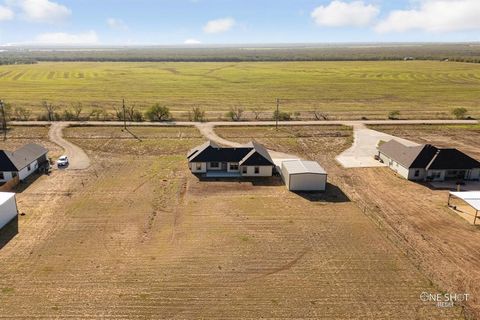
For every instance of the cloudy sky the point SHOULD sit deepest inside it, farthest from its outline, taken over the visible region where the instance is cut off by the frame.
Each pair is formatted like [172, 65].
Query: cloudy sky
[169, 22]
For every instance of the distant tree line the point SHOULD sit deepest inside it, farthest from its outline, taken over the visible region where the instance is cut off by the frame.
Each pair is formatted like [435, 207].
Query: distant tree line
[161, 113]
[440, 52]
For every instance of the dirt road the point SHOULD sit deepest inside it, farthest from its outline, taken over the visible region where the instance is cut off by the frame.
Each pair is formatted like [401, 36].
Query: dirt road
[77, 157]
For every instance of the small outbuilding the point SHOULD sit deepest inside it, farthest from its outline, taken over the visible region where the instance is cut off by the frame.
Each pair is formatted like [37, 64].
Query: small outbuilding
[8, 208]
[301, 175]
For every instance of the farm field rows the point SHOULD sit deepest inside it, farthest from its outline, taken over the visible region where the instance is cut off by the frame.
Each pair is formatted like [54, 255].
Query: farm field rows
[441, 243]
[138, 236]
[418, 89]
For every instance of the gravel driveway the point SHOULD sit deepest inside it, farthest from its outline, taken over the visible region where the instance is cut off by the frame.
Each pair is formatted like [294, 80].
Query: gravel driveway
[77, 157]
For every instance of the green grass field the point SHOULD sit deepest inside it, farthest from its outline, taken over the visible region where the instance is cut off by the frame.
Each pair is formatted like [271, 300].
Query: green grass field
[418, 89]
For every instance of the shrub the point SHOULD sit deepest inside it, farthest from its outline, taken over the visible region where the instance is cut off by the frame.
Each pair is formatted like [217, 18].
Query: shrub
[282, 116]
[197, 114]
[235, 113]
[158, 113]
[460, 113]
[393, 115]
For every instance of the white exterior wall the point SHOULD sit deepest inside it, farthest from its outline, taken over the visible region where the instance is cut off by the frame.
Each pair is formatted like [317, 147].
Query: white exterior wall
[265, 171]
[7, 176]
[306, 182]
[395, 166]
[194, 169]
[25, 173]
[475, 174]
[8, 211]
[421, 176]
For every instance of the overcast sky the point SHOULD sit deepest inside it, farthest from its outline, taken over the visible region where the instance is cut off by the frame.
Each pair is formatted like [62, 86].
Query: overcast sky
[169, 22]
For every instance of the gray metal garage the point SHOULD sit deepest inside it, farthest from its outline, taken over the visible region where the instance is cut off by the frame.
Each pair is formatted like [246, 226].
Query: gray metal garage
[8, 208]
[300, 175]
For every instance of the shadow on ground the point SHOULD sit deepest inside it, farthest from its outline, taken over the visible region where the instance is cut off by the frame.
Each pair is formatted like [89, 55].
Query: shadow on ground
[23, 185]
[333, 194]
[8, 232]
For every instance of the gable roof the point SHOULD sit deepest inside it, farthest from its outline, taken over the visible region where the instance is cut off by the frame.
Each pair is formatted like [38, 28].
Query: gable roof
[427, 156]
[302, 167]
[250, 154]
[201, 148]
[259, 156]
[19, 159]
[452, 159]
[406, 156]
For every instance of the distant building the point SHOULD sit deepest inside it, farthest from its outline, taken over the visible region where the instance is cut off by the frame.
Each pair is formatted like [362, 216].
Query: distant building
[22, 162]
[428, 163]
[211, 160]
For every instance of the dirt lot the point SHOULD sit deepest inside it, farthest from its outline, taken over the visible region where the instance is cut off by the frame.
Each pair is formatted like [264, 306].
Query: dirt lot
[442, 244]
[137, 236]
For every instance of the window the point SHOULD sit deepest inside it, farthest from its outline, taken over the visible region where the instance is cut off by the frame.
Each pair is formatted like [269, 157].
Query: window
[234, 167]
[215, 164]
[417, 173]
[257, 170]
[29, 168]
[244, 170]
[199, 166]
[2, 177]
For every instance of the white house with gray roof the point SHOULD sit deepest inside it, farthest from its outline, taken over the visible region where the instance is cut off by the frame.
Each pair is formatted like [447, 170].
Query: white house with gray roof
[428, 163]
[22, 162]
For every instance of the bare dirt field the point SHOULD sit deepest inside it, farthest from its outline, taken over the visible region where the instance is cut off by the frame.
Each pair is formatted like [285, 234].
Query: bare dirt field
[137, 236]
[442, 244]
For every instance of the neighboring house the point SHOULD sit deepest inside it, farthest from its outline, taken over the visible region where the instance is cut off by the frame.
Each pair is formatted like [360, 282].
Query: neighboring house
[428, 163]
[22, 162]
[251, 160]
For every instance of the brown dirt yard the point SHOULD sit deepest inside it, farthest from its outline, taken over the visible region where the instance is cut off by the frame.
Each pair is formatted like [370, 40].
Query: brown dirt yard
[137, 236]
[442, 244]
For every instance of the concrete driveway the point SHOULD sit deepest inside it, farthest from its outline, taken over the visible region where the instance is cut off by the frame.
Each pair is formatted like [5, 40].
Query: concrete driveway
[364, 148]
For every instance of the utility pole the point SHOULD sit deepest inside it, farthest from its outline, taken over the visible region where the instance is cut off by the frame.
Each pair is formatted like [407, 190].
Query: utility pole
[277, 114]
[4, 120]
[124, 116]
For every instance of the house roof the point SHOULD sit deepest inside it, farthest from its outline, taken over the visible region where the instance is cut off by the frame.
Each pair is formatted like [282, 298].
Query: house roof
[427, 156]
[19, 159]
[201, 148]
[406, 156]
[302, 167]
[258, 156]
[452, 159]
[250, 154]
